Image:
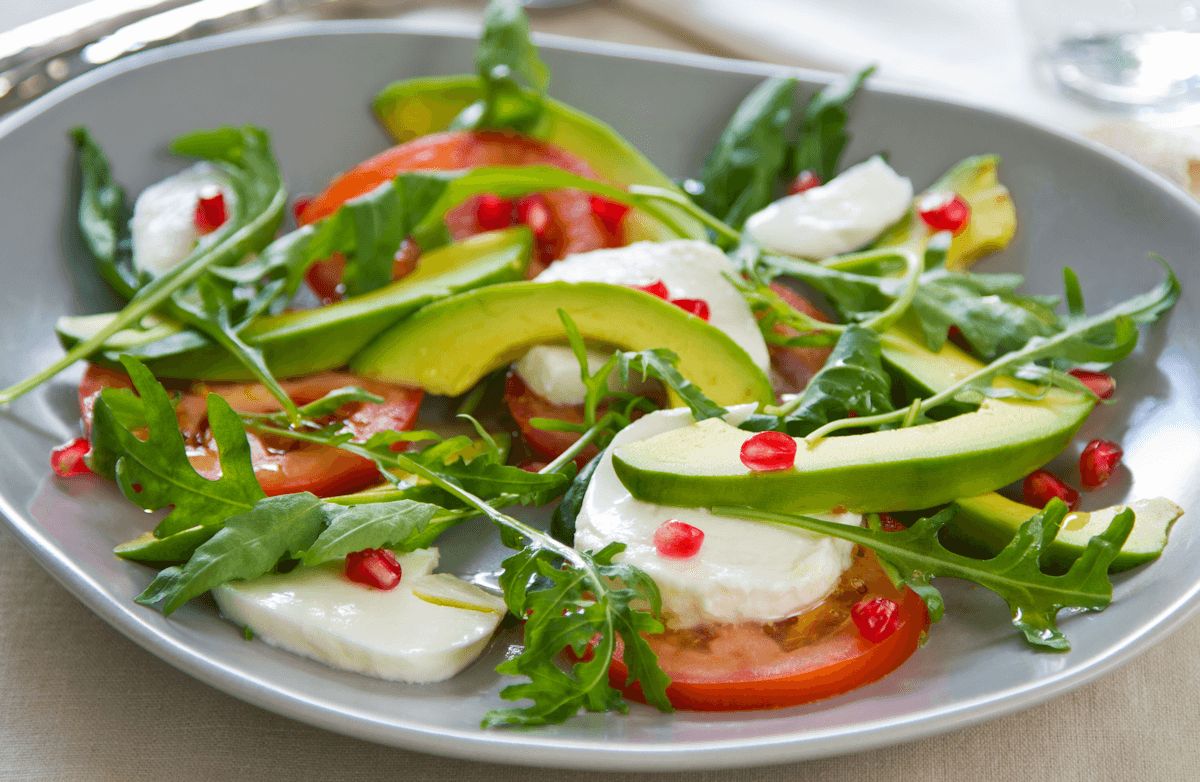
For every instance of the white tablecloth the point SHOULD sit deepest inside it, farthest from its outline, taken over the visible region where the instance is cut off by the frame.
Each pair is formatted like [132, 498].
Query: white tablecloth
[79, 702]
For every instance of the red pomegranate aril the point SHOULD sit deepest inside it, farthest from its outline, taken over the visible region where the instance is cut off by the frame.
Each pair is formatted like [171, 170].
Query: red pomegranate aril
[805, 180]
[69, 459]
[944, 212]
[210, 211]
[676, 539]
[609, 213]
[889, 523]
[1041, 486]
[533, 211]
[1099, 383]
[657, 288]
[697, 307]
[769, 452]
[1097, 463]
[299, 205]
[375, 567]
[493, 212]
[876, 619]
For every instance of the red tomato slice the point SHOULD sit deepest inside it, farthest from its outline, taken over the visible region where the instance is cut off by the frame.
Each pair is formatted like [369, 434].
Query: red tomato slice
[792, 368]
[573, 225]
[524, 405]
[281, 466]
[815, 655]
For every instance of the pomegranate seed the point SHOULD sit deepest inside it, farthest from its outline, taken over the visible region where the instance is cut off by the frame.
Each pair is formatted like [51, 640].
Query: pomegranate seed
[533, 211]
[210, 211]
[657, 288]
[676, 539]
[68, 459]
[1041, 486]
[805, 180]
[889, 523]
[493, 212]
[1097, 462]
[697, 307]
[609, 213]
[1099, 383]
[769, 451]
[876, 619]
[298, 206]
[945, 212]
[375, 567]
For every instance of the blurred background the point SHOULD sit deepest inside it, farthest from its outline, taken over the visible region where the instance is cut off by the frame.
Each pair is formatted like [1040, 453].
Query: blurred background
[1125, 72]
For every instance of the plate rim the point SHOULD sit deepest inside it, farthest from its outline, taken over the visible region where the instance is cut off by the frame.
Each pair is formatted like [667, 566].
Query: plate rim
[511, 747]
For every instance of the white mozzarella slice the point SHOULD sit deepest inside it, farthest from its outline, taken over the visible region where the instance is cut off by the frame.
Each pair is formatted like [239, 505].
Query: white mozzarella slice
[318, 613]
[837, 217]
[744, 571]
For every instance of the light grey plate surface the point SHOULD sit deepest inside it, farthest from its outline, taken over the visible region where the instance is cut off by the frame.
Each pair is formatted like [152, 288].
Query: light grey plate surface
[311, 86]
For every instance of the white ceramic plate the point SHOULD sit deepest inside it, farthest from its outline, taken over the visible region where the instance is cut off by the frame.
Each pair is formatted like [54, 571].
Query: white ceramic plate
[311, 85]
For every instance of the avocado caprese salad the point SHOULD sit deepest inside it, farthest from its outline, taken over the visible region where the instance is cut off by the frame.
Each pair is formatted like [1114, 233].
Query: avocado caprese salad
[769, 405]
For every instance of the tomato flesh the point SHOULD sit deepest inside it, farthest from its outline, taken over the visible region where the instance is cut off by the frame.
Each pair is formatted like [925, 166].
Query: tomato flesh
[281, 466]
[572, 227]
[524, 405]
[792, 368]
[815, 655]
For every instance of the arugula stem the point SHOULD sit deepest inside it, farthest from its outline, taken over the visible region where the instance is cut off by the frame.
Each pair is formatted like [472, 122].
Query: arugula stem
[154, 296]
[568, 455]
[688, 206]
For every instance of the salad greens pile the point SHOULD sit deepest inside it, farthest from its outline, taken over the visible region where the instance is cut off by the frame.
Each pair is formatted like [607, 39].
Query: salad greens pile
[220, 529]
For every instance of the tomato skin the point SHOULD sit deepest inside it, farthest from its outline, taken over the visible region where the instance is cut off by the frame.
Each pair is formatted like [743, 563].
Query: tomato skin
[281, 466]
[742, 668]
[574, 226]
[792, 368]
[523, 404]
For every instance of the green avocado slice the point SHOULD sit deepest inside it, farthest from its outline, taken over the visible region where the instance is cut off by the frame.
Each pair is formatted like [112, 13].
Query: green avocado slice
[450, 346]
[307, 341]
[417, 107]
[985, 524]
[900, 469]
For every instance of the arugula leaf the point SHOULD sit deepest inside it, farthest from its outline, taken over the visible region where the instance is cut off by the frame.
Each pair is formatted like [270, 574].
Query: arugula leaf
[562, 610]
[823, 134]
[985, 308]
[1097, 339]
[513, 75]
[357, 527]
[562, 523]
[853, 382]
[256, 208]
[659, 363]
[741, 172]
[155, 473]
[249, 545]
[915, 555]
[104, 216]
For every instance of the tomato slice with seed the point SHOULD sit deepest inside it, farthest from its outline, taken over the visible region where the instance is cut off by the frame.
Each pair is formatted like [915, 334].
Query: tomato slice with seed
[792, 368]
[574, 226]
[281, 466]
[815, 655]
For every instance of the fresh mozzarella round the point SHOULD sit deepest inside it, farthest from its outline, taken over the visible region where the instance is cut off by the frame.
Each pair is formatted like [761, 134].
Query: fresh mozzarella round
[318, 613]
[837, 217]
[745, 571]
[163, 228]
[690, 270]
